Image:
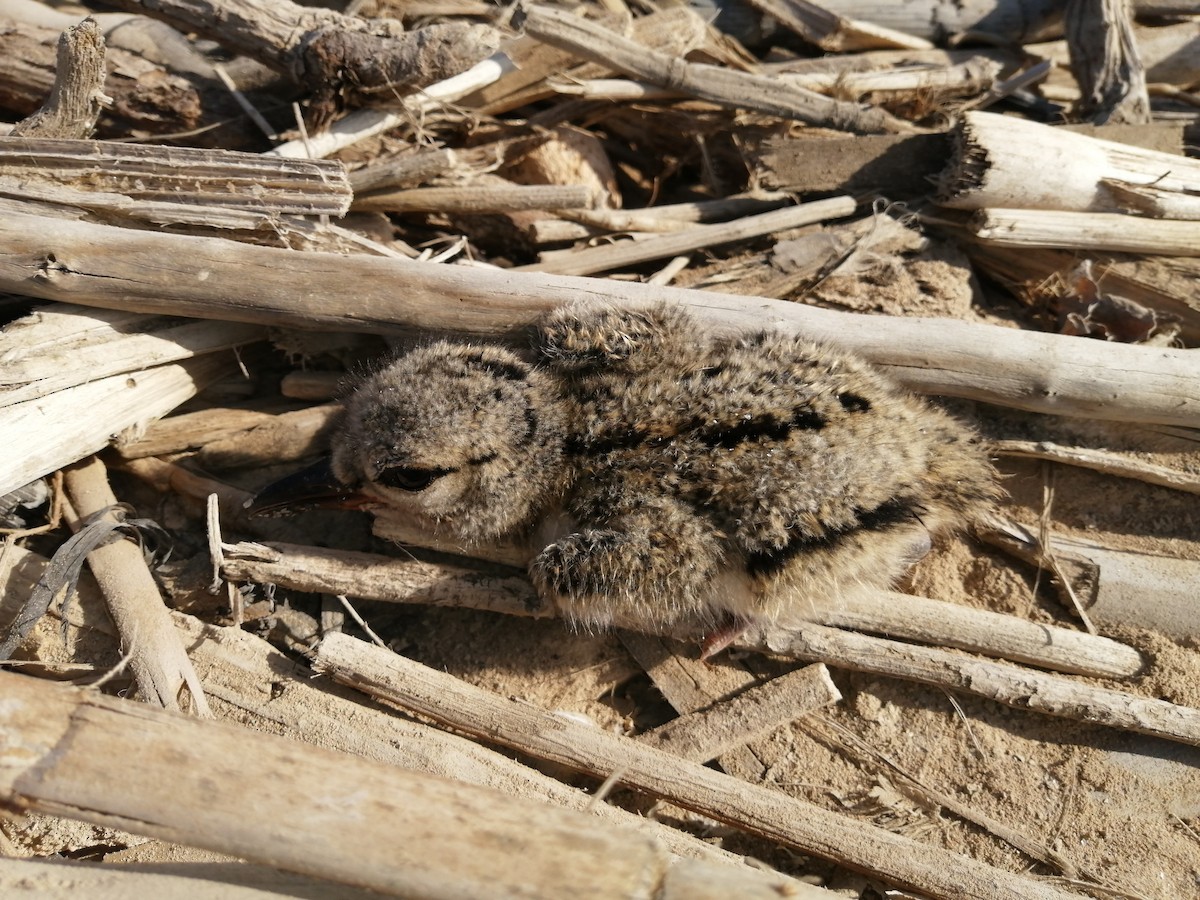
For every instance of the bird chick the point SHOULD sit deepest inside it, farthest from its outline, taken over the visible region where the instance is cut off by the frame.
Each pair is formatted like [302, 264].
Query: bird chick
[662, 475]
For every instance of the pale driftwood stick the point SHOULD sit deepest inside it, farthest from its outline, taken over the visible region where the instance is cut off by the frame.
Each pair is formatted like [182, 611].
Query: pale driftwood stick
[288, 436]
[365, 123]
[60, 428]
[690, 684]
[768, 813]
[993, 634]
[178, 434]
[232, 438]
[673, 216]
[709, 733]
[78, 96]
[479, 198]
[1147, 200]
[1121, 465]
[1086, 231]
[59, 346]
[741, 90]
[103, 266]
[459, 840]
[832, 32]
[157, 658]
[239, 668]
[616, 256]
[375, 577]
[1054, 695]
[1105, 61]
[994, 155]
[176, 179]
[1140, 589]
[319, 48]
[301, 385]
[976, 76]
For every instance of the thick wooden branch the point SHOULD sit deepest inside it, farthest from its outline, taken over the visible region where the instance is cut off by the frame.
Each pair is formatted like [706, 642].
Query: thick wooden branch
[66, 751]
[995, 158]
[215, 278]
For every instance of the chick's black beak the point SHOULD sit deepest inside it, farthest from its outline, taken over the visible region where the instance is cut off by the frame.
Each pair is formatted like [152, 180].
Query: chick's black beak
[313, 488]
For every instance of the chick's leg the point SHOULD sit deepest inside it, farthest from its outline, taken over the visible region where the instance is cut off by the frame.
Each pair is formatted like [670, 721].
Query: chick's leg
[647, 570]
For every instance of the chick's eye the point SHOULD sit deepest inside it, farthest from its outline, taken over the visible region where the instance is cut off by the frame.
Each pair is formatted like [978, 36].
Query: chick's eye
[408, 478]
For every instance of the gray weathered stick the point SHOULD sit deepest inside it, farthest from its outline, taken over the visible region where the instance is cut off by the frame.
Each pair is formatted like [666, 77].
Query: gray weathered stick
[769, 813]
[591, 41]
[215, 278]
[1043, 692]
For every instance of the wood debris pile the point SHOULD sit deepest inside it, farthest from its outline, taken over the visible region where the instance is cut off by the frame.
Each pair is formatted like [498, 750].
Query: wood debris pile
[213, 214]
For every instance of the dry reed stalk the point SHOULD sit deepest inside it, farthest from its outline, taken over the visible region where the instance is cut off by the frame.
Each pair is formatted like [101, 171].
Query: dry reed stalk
[159, 663]
[617, 256]
[376, 577]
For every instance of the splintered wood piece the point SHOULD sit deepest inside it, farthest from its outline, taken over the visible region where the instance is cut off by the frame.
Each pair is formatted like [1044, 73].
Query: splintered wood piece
[769, 813]
[104, 266]
[61, 345]
[159, 663]
[1086, 231]
[58, 429]
[78, 95]
[994, 156]
[172, 184]
[690, 685]
[616, 256]
[1054, 695]
[591, 41]
[65, 751]
[710, 732]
